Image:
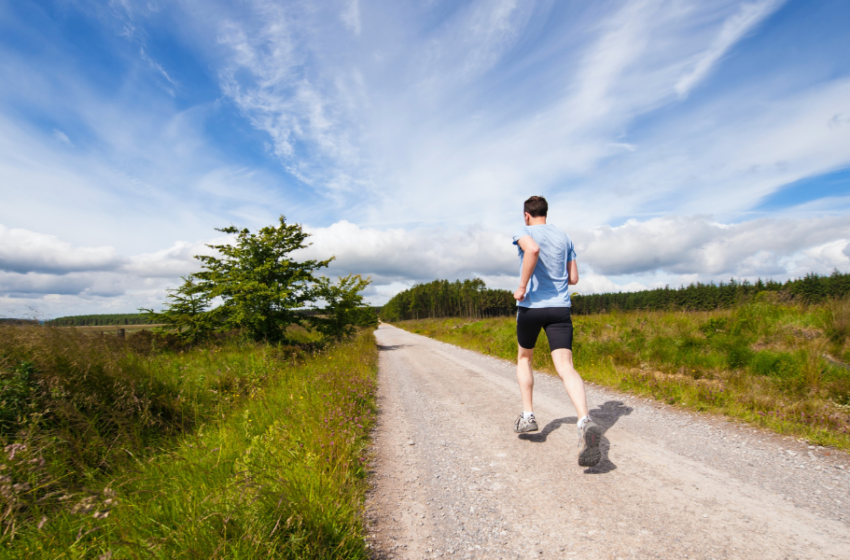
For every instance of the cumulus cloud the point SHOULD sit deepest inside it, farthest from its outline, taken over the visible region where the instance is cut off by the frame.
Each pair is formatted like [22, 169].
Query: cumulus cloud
[33, 283]
[697, 245]
[175, 261]
[634, 256]
[24, 251]
[413, 255]
[659, 250]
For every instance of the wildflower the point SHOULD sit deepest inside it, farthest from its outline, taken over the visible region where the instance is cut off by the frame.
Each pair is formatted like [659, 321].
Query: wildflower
[14, 448]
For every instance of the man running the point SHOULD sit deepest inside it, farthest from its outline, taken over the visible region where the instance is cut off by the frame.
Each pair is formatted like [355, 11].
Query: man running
[547, 269]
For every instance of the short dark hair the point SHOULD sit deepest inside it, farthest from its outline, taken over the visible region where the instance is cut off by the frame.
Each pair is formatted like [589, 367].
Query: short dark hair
[536, 206]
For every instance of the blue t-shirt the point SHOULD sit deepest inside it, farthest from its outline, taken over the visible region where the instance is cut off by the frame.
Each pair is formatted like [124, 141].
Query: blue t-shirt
[549, 285]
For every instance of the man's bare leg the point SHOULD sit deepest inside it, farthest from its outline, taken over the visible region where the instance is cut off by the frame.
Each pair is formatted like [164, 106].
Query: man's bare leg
[525, 377]
[573, 383]
[590, 434]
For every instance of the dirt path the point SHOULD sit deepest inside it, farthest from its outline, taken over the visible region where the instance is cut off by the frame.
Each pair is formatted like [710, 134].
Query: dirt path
[452, 480]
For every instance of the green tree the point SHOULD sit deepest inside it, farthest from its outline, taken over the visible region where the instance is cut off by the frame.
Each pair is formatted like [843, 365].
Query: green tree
[344, 307]
[187, 311]
[260, 285]
[260, 289]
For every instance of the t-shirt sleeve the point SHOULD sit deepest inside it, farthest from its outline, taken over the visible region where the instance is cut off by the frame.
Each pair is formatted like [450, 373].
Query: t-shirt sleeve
[571, 251]
[520, 232]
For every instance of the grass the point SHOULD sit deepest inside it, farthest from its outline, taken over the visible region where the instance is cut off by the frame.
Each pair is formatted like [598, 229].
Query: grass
[230, 450]
[781, 367]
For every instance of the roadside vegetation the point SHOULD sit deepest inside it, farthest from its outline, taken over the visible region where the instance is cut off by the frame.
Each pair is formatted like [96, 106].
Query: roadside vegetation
[238, 430]
[227, 449]
[777, 364]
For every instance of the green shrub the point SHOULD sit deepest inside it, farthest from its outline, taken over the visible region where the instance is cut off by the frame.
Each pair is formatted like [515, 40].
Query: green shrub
[776, 364]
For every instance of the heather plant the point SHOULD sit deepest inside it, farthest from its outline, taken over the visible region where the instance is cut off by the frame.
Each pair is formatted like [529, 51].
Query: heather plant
[766, 362]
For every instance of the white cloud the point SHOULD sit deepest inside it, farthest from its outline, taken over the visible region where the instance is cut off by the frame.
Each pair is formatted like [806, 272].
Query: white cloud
[62, 137]
[23, 251]
[672, 250]
[411, 255]
[178, 260]
[696, 245]
[734, 28]
[633, 256]
[350, 16]
[157, 67]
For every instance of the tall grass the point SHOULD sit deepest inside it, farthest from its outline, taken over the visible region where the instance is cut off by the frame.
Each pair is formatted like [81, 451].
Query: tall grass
[783, 367]
[229, 450]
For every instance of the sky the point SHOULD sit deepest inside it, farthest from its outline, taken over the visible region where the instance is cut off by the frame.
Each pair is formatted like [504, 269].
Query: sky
[676, 140]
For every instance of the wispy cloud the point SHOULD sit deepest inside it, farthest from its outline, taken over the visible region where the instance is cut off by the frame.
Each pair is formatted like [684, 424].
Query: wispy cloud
[351, 16]
[156, 66]
[734, 28]
[62, 137]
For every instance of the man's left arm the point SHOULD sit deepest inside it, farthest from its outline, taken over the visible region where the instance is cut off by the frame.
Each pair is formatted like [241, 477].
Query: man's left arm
[573, 272]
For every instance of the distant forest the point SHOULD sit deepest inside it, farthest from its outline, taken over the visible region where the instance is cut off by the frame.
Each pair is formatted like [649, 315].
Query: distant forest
[441, 298]
[472, 298]
[101, 320]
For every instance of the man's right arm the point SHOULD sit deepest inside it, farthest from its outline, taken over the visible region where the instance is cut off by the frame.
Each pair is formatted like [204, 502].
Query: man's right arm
[529, 260]
[573, 270]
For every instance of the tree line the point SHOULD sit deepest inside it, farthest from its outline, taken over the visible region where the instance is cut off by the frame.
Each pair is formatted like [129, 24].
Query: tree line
[472, 298]
[812, 288]
[101, 320]
[441, 298]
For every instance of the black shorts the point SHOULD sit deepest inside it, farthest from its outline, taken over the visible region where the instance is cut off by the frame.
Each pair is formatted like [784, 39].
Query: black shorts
[555, 320]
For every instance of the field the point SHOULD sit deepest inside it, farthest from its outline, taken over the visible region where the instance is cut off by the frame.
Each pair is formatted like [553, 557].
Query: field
[778, 366]
[114, 328]
[113, 449]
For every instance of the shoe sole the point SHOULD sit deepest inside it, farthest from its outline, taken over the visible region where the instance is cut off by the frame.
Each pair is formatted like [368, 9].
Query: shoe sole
[534, 429]
[590, 454]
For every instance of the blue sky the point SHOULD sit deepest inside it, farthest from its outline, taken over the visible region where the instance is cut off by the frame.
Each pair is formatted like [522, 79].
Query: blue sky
[675, 140]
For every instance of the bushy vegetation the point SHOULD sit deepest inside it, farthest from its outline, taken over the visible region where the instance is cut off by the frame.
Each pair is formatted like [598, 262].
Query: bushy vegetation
[777, 364]
[124, 448]
[261, 290]
[472, 298]
[441, 298]
[101, 320]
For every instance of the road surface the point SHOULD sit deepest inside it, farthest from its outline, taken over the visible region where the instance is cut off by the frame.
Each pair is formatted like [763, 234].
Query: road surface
[452, 480]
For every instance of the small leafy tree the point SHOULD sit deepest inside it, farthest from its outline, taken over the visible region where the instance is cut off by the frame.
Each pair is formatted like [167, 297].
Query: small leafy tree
[344, 307]
[261, 290]
[186, 312]
[259, 283]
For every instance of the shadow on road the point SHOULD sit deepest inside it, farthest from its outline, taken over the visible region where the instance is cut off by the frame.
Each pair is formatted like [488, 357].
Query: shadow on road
[382, 348]
[605, 415]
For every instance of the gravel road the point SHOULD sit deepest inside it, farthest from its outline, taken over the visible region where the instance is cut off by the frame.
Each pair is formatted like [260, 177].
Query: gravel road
[452, 480]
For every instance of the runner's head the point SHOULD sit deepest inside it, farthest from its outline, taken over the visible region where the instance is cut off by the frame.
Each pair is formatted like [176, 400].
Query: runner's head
[535, 207]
